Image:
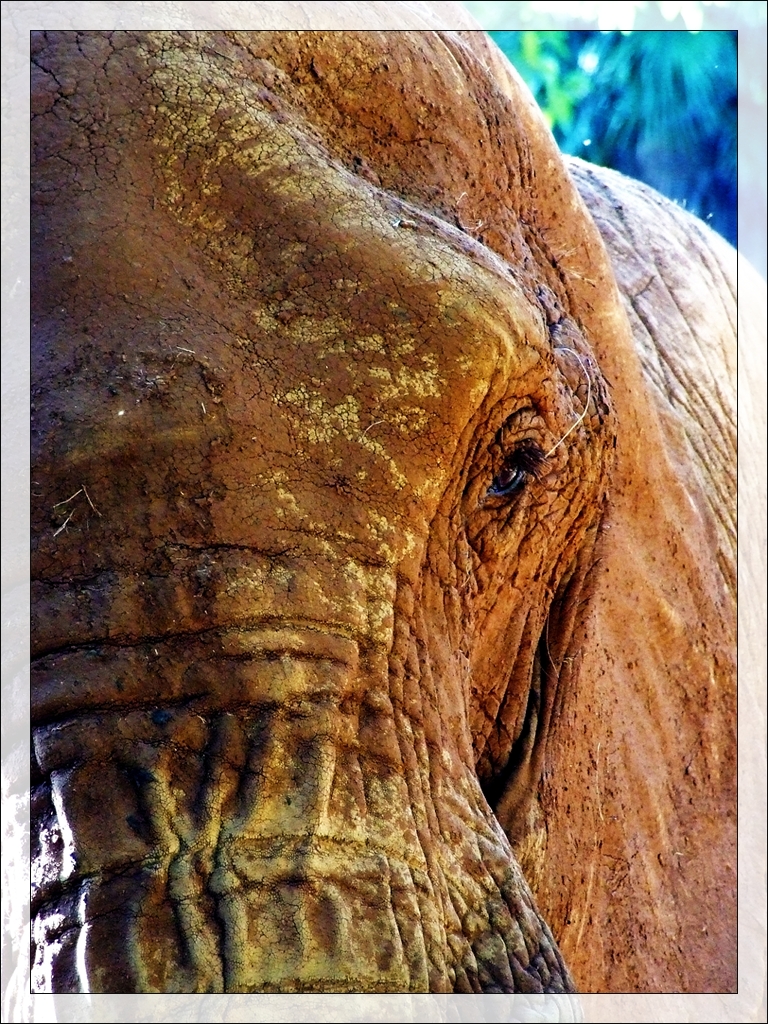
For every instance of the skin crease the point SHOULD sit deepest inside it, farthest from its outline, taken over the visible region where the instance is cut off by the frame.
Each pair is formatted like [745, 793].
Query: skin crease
[290, 612]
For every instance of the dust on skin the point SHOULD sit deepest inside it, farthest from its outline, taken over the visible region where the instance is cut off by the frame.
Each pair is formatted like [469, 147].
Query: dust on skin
[315, 191]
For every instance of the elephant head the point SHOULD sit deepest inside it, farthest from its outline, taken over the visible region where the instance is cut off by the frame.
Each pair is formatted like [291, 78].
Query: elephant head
[329, 377]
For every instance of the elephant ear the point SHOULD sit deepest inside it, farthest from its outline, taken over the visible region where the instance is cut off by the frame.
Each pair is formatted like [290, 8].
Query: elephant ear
[678, 287]
[639, 785]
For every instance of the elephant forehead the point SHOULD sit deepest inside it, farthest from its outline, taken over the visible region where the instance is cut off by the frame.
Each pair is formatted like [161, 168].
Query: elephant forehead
[338, 347]
[327, 264]
[334, 393]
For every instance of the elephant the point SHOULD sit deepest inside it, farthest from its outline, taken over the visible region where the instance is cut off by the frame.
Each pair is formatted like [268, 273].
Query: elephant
[383, 532]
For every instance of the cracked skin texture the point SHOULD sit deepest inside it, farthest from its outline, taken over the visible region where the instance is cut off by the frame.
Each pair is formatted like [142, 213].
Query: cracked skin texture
[320, 703]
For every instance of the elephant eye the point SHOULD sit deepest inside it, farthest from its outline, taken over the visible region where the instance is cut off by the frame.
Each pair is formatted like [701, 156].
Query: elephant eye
[525, 461]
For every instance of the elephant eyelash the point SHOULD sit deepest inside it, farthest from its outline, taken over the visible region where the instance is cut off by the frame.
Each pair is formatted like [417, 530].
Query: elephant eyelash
[586, 404]
[527, 460]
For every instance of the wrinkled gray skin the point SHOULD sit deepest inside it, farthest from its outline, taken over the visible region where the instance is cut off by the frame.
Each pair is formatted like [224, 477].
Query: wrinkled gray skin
[330, 471]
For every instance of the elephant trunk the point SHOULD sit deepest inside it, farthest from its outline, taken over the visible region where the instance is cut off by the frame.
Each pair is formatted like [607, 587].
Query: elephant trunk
[283, 818]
